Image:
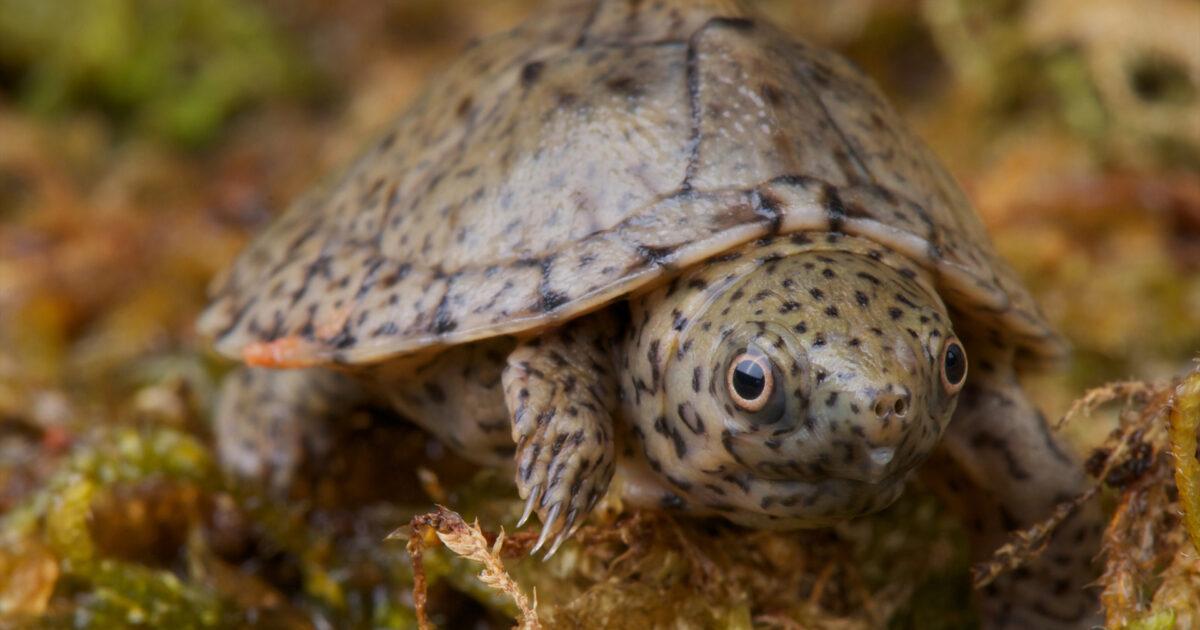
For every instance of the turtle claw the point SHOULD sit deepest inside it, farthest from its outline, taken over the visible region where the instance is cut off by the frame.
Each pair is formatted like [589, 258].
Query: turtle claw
[561, 476]
[534, 493]
[558, 540]
[566, 532]
[547, 527]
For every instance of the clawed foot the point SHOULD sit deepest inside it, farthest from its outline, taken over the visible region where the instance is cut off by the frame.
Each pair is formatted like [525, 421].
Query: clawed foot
[561, 392]
[563, 470]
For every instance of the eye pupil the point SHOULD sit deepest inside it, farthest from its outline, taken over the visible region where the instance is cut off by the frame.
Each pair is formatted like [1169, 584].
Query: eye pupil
[749, 381]
[955, 364]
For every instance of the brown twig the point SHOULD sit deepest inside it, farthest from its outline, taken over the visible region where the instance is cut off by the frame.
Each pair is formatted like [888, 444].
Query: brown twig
[467, 541]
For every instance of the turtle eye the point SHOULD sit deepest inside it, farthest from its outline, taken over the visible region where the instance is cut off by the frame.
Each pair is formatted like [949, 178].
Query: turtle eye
[954, 366]
[751, 380]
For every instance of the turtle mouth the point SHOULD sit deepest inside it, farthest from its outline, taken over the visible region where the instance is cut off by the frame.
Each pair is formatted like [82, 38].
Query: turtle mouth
[830, 489]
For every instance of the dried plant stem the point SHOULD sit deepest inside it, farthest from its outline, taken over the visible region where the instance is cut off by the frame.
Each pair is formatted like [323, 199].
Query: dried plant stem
[469, 542]
[1027, 543]
[416, 550]
[1103, 395]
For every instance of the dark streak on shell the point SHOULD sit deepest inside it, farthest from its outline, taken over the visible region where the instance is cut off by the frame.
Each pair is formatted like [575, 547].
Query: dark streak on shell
[549, 172]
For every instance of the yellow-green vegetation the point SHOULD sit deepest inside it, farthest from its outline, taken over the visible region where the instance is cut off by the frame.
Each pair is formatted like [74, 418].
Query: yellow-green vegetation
[1185, 428]
[1152, 571]
[1071, 123]
[177, 68]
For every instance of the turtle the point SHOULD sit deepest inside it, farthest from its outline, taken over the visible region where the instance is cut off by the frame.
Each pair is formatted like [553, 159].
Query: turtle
[666, 250]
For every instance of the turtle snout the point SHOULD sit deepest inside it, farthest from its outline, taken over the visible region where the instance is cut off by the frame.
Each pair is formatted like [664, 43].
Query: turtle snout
[868, 446]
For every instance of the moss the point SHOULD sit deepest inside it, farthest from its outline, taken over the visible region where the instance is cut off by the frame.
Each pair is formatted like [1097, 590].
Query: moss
[113, 512]
[178, 69]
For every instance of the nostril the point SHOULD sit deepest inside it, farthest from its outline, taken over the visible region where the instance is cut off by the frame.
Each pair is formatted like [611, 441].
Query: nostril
[891, 405]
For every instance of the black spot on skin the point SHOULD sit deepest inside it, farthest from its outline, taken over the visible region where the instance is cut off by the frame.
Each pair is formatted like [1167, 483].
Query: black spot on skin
[895, 313]
[861, 298]
[566, 99]
[626, 86]
[737, 24]
[767, 206]
[834, 208]
[831, 311]
[692, 79]
[739, 481]
[800, 238]
[654, 255]
[679, 444]
[531, 72]
[385, 329]
[343, 339]
[464, 107]
[678, 320]
[435, 392]
[678, 483]
[772, 94]
[551, 300]
[816, 293]
[388, 141]
[868, 277]
[986, 440]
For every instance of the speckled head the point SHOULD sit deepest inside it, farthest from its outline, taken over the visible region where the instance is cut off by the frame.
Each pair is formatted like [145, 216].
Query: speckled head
[795, 384]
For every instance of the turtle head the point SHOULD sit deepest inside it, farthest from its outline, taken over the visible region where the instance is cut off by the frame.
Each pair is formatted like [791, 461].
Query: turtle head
[822, 375]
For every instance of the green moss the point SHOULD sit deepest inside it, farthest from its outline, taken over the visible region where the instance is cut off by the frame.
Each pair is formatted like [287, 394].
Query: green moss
[177, 68]
[1158, 620]
[121, 594]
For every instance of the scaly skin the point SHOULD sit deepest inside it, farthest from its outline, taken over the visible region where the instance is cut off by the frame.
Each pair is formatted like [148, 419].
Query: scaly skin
[855, 339]
[585, 159]
[267, 422]
[853, 331]
[562, 391]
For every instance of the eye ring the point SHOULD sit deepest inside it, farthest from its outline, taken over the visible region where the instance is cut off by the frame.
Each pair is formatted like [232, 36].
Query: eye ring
[953, 366]
[750, 381]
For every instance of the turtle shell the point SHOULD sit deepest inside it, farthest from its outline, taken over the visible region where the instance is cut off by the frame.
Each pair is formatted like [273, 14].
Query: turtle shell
[592, 151]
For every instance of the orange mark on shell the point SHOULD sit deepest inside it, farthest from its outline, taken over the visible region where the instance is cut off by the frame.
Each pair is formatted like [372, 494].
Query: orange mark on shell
[287, 352]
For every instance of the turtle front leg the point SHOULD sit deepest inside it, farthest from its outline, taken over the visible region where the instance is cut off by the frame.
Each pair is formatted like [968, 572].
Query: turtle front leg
[1016, 473]
[561, 392]
[268, 421]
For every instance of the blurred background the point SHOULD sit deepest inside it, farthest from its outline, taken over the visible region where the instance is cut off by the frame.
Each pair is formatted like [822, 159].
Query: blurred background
[143, 141]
